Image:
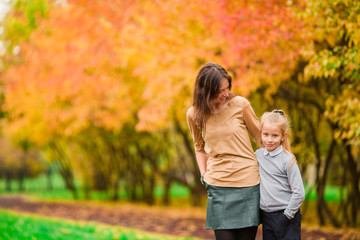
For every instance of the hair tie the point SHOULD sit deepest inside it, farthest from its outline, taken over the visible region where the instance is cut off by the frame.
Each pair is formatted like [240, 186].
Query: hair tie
[279, 112]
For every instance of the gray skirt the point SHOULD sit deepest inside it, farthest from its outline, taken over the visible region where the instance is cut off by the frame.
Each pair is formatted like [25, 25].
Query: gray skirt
[232, 207]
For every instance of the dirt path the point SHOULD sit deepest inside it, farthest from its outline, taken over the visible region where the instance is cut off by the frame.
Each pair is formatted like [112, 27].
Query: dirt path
[174, 221]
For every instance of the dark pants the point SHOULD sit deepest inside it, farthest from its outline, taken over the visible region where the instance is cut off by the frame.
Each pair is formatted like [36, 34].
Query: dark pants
[277, 226]
[248, 233]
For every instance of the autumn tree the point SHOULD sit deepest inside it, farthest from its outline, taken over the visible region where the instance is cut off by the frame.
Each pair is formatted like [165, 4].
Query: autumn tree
[333, 65]
[107, 99]
[74, 84]
[18, 163]
[321, 95]
[117, 66]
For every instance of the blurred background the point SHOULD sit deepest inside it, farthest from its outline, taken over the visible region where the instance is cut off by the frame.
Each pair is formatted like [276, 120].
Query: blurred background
[93, 95]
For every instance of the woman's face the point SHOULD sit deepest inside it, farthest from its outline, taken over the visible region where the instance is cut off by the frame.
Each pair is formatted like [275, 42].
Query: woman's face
[223, 92]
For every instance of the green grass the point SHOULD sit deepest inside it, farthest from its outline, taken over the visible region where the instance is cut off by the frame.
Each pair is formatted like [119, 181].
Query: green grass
[176, 191]
[37, 188]
[30, 227]
[332, 194]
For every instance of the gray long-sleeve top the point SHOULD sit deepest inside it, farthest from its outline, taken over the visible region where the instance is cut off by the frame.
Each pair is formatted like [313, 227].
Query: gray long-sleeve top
[281, 185]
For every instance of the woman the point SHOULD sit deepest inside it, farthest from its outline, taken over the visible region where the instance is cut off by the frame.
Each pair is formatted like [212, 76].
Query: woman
[219, 123]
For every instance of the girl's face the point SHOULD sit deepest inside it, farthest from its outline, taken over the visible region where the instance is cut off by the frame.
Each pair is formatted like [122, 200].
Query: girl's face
[223, 93]
[271, 136]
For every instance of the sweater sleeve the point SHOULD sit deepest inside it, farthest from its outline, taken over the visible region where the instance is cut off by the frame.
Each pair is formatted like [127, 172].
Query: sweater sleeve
[195, 132]
[251, 121]
[297, 188]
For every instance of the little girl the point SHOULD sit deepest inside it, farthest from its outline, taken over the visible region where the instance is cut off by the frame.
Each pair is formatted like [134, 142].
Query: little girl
[281, 187]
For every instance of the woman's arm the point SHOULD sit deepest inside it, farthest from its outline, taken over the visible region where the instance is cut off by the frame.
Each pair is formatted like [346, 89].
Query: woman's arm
[201, 159]
[201, 156]
[252, 122]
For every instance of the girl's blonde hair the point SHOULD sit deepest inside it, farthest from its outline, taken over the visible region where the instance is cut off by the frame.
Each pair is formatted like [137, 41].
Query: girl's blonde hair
[278, 117]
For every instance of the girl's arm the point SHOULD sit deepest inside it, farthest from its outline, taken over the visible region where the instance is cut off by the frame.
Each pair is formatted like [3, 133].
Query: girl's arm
[297, 188]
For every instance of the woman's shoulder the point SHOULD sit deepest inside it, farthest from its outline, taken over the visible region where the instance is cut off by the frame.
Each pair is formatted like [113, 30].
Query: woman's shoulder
[190, 112]
[239, 100]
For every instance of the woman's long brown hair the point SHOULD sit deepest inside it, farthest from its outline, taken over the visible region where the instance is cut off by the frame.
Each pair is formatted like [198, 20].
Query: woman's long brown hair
[207, 86]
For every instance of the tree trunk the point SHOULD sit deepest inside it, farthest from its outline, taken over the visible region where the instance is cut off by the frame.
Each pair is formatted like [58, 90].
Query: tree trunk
[115, 190]
[354, 196]
[197, 195]
[328, 160]
[149, 192]
[166, 196]
[86, 189]
[8, 182]
[21, 181]
[64, 169]
[48, 179]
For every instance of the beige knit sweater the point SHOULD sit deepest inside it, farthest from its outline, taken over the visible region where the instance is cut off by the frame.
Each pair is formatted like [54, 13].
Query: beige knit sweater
[225, 139]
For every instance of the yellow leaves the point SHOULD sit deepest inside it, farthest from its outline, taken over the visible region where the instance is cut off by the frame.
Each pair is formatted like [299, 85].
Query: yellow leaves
[345, 110]
[331, 40]
[122, 59]
[336, 61]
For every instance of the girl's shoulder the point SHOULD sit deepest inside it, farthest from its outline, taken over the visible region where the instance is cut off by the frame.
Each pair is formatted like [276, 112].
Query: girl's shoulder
[289, 159]
[259, 151]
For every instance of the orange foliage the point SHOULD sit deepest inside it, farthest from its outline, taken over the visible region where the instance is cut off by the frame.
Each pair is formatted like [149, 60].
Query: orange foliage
[96, 63]
[261, 41]
[69, 79]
